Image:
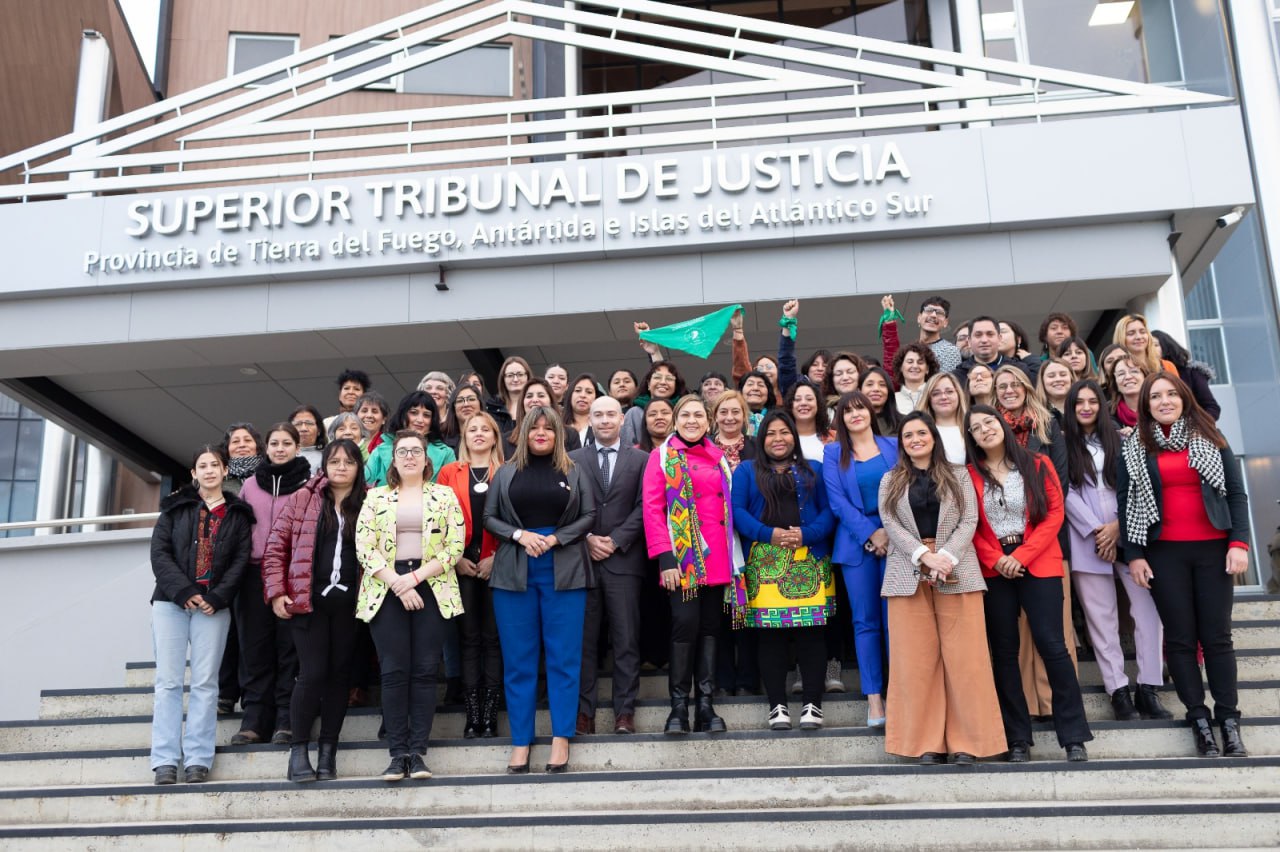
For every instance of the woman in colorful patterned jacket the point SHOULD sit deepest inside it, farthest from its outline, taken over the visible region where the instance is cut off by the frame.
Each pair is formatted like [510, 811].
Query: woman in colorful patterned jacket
[408, 538]
[780, 511]
[310, 576]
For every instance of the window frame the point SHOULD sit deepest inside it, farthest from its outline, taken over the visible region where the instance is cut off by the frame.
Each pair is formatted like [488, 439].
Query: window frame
[394, 83]
[234, 37]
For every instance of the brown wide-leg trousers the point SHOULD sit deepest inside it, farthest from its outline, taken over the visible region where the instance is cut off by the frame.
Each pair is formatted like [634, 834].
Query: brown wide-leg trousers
[942, 694]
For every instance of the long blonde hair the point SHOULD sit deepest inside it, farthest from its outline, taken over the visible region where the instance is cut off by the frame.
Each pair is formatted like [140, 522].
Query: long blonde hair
[1148, 360]
[559, 458]
[1031, 405]
[496, 454]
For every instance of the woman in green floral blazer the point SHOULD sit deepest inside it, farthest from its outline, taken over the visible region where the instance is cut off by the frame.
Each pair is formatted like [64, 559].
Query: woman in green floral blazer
[408, 538]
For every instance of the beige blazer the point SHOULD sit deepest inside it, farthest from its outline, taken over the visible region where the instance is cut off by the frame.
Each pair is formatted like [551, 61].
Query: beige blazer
[956, 526]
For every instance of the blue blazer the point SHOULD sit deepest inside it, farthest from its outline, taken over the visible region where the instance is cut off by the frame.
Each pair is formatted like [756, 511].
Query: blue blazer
[816, 520]
[853, 528]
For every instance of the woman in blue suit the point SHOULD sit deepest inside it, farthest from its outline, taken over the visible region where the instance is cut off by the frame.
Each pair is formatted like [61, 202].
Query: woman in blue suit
[780, 512]
[852, 467]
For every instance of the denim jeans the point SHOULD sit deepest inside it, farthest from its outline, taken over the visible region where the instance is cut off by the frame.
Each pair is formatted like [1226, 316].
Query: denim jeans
[173, 629]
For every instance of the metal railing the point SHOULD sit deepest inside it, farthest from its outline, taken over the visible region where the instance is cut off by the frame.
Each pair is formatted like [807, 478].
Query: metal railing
[96, 520]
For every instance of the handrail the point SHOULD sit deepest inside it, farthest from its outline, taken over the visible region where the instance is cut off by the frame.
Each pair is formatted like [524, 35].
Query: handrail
[76, 522]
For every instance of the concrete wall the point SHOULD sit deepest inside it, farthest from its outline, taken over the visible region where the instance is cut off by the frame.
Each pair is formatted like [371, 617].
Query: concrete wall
[75, 610]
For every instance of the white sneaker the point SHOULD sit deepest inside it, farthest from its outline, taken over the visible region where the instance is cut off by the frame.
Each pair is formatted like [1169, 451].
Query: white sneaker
[780, 718]
[797, 688]
[811, 718]
[834, 683]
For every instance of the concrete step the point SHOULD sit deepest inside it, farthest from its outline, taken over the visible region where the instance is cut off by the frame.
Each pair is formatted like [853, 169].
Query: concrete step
[1167, 823]
[691, 790]
[1254, 664]
[834, 746]
[748, 713]
[1256, 607]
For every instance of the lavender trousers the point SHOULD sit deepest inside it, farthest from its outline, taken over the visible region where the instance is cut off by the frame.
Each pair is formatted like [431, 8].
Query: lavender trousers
[1097, 596]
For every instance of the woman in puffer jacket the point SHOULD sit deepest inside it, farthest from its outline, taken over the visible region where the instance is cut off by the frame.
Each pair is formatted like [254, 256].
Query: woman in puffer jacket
[310, 575]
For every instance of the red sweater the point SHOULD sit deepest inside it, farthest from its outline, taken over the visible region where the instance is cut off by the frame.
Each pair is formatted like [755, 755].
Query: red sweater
[1182, 501]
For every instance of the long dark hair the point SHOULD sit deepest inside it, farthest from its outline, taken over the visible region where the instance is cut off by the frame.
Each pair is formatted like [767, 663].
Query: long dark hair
[889, 411]
[351, 504]
[452, 428]
[566, 405]
[1199, 421]
[939, 468]
[416, 399]
[853, 399]
[1171, 350]
[1080, 467]
[770, 483]
[821, 421]
[1033, 475]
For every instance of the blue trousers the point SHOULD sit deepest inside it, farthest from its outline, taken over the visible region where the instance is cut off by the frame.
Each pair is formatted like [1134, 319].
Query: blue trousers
[529, 621]
[174, 630]
[870, 621]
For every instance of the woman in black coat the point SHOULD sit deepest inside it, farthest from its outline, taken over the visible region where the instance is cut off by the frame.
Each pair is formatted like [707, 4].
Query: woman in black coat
[1197, 374]
[199, 550]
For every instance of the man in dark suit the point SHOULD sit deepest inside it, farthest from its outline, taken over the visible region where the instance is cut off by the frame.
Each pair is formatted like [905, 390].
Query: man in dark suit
[618, 554]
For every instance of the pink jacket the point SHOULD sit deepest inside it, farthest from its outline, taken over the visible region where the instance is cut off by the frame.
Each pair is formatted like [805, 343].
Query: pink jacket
[713, 502]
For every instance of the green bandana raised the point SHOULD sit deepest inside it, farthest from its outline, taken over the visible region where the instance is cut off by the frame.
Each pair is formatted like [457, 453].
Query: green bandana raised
[697, 336]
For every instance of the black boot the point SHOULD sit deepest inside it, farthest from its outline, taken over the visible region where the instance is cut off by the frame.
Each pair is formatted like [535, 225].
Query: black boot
[680, 682]
[1232, 743]
[471, 699]
[707, 720]
[1202, 733]
[1122, 705]
[300, 764]
[327, 762]
[1149, 705]
[452, 691]
[489, 713]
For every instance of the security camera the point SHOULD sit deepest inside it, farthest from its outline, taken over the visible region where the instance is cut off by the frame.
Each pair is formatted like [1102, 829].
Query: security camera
[1226, 220]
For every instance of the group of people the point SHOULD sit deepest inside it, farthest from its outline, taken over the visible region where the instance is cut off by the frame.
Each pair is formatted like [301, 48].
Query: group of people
[951, 496]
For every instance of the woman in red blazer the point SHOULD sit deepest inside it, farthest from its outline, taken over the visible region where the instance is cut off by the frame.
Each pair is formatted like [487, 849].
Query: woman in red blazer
[1020, 511]
[479, 455]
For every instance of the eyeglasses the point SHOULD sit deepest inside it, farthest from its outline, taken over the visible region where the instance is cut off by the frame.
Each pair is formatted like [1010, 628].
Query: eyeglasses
[409, 453]
[933, 312]
[1007, 386]
[304, 424]
[979, 426]
[518, 374]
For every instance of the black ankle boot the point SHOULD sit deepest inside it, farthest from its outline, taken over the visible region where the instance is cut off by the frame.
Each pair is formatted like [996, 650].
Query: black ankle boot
[326, 761]
[471, 700]
[489, 713]
[1122, 705]
[1232, 743]
[707, 719]
[680, 682]
[300, 769]
[1202, 733]
[1148, 701]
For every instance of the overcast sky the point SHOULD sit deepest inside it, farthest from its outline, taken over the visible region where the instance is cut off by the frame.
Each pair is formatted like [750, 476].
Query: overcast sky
[144, 20]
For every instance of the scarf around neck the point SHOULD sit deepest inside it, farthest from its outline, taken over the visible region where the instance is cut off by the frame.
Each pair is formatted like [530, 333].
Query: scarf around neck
[243, 468]
[1021, 424]
[1142, 510]
[684, 527]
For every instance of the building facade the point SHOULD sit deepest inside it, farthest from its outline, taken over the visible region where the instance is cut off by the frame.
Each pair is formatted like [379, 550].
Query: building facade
[977, 151]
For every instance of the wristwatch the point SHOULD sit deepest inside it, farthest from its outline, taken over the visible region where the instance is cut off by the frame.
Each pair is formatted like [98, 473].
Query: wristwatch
[515, 536]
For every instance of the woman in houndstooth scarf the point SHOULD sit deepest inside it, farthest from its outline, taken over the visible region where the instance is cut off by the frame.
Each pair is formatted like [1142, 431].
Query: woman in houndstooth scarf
[1184, 520]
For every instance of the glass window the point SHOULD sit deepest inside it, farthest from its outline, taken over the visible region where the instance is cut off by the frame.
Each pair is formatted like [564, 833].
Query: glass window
[30, 443]
[22, 506]
[1208, 346]
[482, 71]
[1202, 301]
[250, 51]
[388, 84]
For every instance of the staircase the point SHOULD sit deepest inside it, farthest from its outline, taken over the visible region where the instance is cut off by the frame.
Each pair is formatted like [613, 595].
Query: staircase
[79, 778]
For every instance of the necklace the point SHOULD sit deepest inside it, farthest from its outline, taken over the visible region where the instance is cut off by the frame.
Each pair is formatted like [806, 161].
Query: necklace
[480, 484]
